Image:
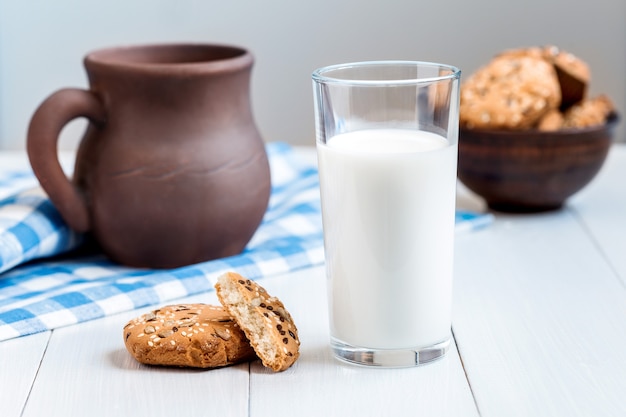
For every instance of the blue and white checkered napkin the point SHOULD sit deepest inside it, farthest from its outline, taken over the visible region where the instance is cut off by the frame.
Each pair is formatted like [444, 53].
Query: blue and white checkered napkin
[51, 292]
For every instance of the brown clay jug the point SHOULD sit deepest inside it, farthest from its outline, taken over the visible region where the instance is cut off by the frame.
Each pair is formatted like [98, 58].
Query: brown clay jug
[171, 170]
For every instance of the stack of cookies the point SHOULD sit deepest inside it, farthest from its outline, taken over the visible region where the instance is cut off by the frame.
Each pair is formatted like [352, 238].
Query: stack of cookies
[540, 88]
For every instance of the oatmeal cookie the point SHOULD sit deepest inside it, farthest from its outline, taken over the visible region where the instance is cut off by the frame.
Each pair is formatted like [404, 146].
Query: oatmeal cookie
[573, 73]
[590, 112]
[551, 121]
[187, 335]
[510, 92]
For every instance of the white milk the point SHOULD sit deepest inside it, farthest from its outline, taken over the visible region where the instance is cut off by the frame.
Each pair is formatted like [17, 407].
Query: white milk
[388, 200]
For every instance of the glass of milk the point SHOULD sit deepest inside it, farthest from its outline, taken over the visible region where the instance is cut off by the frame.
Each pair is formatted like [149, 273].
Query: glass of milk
[387, 134]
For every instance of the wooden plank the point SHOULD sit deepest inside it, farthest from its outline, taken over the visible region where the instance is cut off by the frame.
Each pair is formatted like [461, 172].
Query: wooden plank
[601, 207]
[19, 358]
[88, 372]
[19, 363]
[319, 385]
[540, 319]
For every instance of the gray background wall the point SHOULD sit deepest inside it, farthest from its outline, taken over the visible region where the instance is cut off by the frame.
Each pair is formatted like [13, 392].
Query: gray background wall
[42, 43]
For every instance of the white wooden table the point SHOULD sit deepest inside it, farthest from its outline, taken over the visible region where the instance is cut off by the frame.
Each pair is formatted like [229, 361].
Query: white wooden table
[539, 323]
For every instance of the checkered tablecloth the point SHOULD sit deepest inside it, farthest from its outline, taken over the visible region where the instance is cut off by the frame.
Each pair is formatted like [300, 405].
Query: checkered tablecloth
[45, 283]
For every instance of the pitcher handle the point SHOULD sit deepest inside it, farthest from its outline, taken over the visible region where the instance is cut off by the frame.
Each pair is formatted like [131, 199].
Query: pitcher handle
[45, 126]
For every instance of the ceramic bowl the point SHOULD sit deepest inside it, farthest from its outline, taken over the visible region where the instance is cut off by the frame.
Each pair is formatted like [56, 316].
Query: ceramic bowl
[531, 171]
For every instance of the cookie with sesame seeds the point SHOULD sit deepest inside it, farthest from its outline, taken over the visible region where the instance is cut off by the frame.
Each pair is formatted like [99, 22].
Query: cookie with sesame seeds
[551, 121]
[263, 318]
[573, 73]
[590, 112]
[187, 335]
[510, 92]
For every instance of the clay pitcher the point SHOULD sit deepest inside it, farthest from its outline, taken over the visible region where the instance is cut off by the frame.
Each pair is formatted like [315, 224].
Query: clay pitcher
[171, 170]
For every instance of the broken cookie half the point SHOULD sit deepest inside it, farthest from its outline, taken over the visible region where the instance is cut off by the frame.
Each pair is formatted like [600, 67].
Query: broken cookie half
[263, 318]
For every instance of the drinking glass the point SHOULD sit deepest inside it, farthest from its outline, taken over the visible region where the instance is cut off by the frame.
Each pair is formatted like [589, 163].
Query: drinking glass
[387, 134]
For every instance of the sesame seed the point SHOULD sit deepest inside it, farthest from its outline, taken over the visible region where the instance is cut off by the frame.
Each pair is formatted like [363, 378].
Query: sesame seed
[166, 333]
